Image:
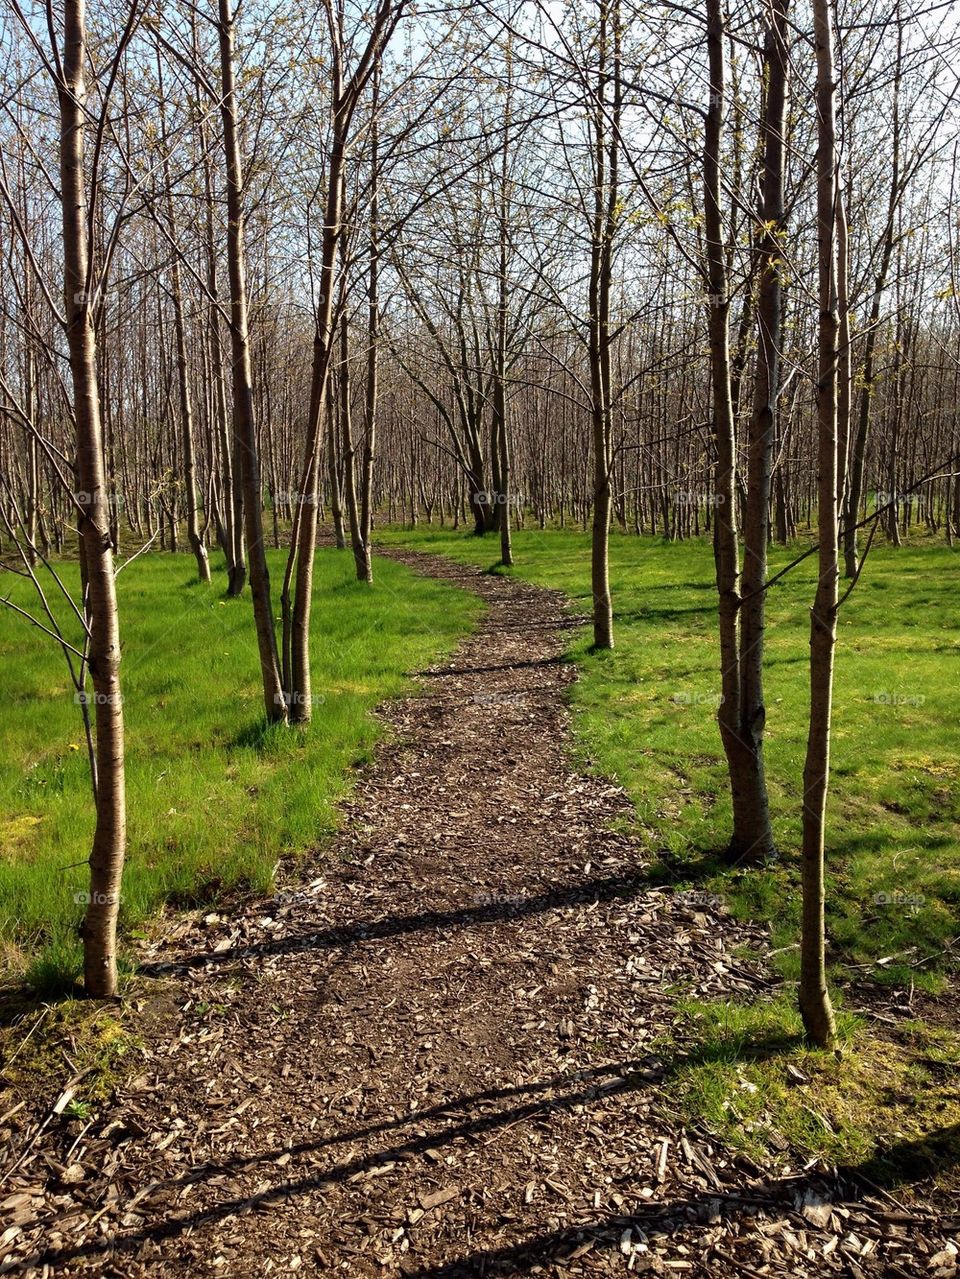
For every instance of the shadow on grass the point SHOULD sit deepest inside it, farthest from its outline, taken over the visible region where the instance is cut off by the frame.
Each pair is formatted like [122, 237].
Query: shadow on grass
[257, 735]
[647, 614]
[698, 868]
[910, 1161]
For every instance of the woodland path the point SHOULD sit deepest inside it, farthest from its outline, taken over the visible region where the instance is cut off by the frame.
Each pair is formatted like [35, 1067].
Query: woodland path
[437, 1056]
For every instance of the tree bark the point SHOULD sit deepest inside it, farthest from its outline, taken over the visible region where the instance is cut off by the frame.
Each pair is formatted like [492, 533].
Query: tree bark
[752, 832]
[814, 997]
[244, 428]
[100, 601]
[606, 125]
[725, 532]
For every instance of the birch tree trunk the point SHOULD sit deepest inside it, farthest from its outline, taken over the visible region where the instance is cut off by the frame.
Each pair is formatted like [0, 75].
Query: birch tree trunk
[100, 601]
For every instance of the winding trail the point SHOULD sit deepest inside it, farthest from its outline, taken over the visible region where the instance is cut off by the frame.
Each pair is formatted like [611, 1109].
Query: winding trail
[440, 1054]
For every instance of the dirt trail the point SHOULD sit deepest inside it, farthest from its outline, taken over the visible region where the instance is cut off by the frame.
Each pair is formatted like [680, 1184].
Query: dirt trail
[439, 1056]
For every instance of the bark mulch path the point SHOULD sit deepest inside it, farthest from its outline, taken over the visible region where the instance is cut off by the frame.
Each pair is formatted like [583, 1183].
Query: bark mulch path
[438, 1056]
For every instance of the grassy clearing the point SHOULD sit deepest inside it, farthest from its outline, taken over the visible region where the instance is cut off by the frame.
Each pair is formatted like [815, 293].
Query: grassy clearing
[646, 713]
[214, 799]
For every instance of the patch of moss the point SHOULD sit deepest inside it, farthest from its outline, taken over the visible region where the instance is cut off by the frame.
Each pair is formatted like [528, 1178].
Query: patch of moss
[886, 1107]
[42, 1047]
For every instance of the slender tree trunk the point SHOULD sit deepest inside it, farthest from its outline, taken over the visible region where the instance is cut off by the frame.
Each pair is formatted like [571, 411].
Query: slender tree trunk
[231, 495]
[187, 449]
[373, 344]
[503, 316]
[853, 489]
[244, 428]
[344, 96]
[333, 470]
[725, 532]
[299, 692]
[109, 840]
[33, 464]
[349, 454]
[815, 1006]
[752, 832]
[606, 123]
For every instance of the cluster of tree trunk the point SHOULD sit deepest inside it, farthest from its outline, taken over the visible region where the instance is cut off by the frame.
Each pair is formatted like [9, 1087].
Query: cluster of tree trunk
[508, 273]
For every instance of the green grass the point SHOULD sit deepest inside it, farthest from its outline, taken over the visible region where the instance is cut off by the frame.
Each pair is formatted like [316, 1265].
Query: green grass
[883, 1105]
[214, 798]
[646, 714]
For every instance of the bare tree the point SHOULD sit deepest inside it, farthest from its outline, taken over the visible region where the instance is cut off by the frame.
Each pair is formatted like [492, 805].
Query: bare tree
[815, 1006]
[246, 447]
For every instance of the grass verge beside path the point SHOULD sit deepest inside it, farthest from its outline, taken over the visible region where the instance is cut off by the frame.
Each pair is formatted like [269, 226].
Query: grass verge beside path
[646, 714]
[214, 797]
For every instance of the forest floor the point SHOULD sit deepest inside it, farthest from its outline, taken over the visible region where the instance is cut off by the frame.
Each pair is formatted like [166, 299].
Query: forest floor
[447, 1049]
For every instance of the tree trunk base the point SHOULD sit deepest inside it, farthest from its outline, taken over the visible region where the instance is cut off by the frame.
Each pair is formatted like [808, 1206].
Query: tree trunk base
[816, 1011]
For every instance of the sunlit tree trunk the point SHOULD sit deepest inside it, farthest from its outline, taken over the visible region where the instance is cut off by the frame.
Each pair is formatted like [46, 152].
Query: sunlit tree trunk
[244, 429]
[752, 832]
[815, 1006]
[606, 147]
[100, 601]
[725, 531]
